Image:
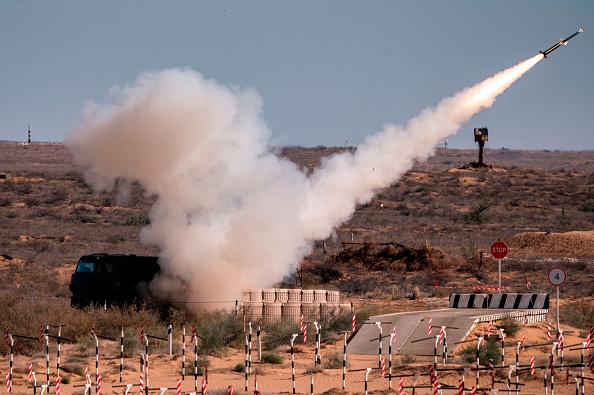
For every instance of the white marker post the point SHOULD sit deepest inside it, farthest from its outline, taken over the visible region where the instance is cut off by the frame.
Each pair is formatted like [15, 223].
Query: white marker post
[293, 336]
[557, 277]
[499, 251]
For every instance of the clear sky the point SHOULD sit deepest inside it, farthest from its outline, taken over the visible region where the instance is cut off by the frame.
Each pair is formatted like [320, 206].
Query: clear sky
[327, 71]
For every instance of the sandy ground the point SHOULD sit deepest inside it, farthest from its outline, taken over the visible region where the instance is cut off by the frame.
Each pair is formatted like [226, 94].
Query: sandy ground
[164, 370]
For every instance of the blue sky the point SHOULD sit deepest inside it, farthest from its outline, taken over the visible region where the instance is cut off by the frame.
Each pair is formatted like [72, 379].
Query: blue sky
[327, 71]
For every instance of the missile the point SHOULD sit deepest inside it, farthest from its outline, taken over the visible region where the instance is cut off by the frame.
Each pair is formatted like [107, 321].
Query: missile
[562, 41]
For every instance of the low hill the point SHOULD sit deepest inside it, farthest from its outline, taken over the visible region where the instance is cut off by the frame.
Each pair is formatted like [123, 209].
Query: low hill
[540, 202]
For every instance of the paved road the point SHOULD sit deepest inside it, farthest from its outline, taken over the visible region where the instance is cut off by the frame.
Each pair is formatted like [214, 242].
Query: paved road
[412, 335]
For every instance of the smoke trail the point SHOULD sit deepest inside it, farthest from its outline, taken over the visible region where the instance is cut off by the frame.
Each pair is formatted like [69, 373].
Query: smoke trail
[347, 180]
[229, 213]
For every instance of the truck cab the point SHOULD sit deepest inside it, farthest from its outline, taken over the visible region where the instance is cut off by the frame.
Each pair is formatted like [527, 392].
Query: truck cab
[112, 279]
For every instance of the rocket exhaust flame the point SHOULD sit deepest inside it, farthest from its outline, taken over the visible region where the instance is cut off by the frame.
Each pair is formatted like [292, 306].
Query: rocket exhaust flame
[229, 213]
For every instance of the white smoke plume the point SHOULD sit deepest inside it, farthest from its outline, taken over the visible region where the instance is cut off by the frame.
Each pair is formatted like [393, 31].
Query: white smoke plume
[230, 214]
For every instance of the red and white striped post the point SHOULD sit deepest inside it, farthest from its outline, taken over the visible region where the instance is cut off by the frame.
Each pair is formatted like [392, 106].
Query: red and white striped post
[304, 330]
[141, 384]
[430, 326]
[354, 323]
[549, 331]
[57, 384]
[230, 390]
[178, 387]
[400, 386]
[435, 386]
[88, 383]
[531, 365]
[99, 385]
[204, 389]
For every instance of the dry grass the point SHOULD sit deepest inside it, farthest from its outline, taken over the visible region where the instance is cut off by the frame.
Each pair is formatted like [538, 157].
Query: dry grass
[50, 217]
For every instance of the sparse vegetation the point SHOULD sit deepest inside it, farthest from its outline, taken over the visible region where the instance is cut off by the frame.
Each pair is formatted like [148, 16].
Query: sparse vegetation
[138, 219]
[490, 349]
[278, 334]
[578, 314]
[218, 329]
[84, 216]
[333, 360]
[478, 214]
[435, 223]
[270, 358]
[509, 325]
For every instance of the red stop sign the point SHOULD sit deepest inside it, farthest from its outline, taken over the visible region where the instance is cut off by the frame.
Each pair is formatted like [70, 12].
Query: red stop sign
[499, 250]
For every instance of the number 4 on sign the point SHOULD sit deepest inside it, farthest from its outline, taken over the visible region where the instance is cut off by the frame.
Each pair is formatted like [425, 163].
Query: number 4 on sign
[557, 276]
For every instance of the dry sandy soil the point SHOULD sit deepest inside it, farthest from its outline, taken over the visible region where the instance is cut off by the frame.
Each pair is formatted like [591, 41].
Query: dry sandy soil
[165, 370]
[541, 216]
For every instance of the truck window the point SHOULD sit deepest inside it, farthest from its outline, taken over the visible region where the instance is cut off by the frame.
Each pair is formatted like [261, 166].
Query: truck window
[106, 267]
[86, 267]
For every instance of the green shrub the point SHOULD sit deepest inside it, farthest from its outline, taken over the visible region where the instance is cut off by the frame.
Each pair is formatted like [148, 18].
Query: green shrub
[490, 349]
[274, 359]
[279, 334]
[218, 329]
[138, 219]
[239, 368]
[364, 312]
[83, 215]
[336, 323]
[509, 325]
[478, 213]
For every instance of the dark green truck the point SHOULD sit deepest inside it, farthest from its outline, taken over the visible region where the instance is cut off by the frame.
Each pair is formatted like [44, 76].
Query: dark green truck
[112, 279]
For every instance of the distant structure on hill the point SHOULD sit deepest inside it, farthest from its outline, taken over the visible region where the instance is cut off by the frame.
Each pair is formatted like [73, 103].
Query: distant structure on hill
[480, 136]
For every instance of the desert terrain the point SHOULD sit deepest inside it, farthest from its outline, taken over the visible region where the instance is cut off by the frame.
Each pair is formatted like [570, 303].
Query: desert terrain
[434, 226]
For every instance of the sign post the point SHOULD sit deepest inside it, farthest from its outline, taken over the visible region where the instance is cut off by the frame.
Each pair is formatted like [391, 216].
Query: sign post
[499, 251]
[557, 277]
